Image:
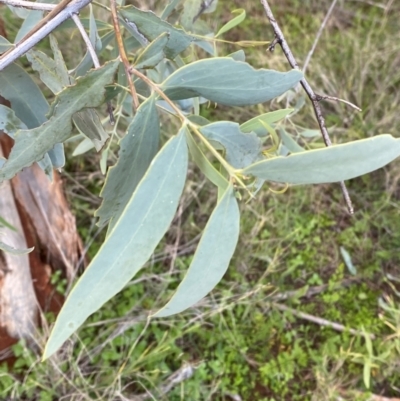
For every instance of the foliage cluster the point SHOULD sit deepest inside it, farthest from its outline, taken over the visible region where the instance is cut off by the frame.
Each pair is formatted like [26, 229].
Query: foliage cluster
[258, 349]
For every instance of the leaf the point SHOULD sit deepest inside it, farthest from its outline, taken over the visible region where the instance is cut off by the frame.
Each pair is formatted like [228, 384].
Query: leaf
[153, 53]
[137, 150]
[205, 165]
[169, 8]
[57, 155]
[348, 262]
[9, 249]
[289, 142]
[47, 69]
[5, 223]
[233, 22]
[238, 55]
[130, 243]
[83, 147]
[226, 81]
[367, 373]
[89, 124]
[87, 61]
[31, 145]
[147, 26]
[212, 257]
[191, 8]
[255, 124]
[30, 21]
[9, 122]
[332, 164]
[241, 149]
[25, 97]
[60, 67]
[4, 44]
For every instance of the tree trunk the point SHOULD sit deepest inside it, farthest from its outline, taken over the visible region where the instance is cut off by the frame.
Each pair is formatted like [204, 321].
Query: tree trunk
[37, 208]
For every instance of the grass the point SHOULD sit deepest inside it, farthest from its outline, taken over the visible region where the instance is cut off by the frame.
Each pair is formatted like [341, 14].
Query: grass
[238, 344]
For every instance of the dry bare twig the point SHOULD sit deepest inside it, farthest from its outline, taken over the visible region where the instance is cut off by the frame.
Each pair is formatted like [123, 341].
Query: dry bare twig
[280, 39]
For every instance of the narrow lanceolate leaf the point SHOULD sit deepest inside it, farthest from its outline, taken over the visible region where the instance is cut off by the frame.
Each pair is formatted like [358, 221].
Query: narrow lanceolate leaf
[130, 243]
[25, 97]
[212, 256]
[32, 145]
[233, 22]
[153, 53]
[60, 67]
[241, 149]
[14, 251]
[29, 105]
[226, 81]
[47, 69]
[332, 164]
[145, 26]
[137, 150]
[205, 165]
[256, 124]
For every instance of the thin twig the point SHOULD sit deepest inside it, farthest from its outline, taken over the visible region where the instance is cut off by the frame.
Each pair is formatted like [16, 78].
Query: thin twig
[87, 41]
[319, 33]
[320, 321]
[95, 59]
[21, 48]
[122, 53]
[29, 5]
[279, 38]
[336, 99]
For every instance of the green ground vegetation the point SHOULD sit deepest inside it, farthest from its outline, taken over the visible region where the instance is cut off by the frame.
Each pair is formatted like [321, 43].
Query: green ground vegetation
[260, 335]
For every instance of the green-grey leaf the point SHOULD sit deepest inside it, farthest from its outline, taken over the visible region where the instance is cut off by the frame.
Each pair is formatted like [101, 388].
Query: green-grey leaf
[33, 17]
[332, 164]
[205, 165]
[148, 26]
[169, 8]
[289, 142]
[233, 22]
[83, 147]
[241, 149]
[60, 67]
[87, 61]
[9, 122]
[255, 124]
[47, 69]
[137, 150]
[31, 145]
[238, 55]
[89, 124]
[9, 249]
[153, 53]
[25, 97]
[130, 243]
[226, 81]
[57, 155]
[191, 8]
[212, 256]
[4, 44]
[347, 261]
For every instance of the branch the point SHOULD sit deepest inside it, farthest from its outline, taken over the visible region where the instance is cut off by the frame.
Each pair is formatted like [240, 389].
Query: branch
[280, 39]
[23, 47]
[319, 33]
[122, 53]
[30, 5]
[321, 322]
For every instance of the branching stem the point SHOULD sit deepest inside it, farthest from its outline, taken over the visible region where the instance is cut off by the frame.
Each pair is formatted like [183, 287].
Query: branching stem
[280, 39]
[122, 53]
